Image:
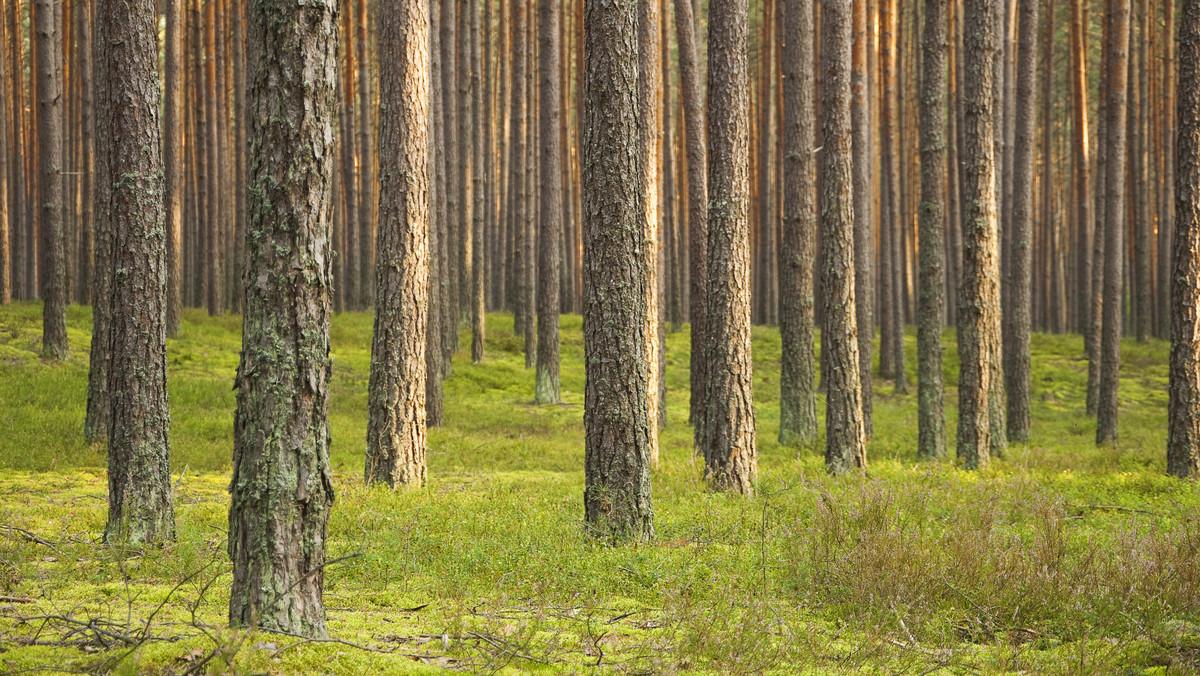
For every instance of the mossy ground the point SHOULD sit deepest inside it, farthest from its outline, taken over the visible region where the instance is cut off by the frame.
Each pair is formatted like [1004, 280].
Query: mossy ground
[1059, 558]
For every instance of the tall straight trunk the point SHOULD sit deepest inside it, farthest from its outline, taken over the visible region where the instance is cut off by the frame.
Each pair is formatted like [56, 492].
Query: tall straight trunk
[617, 500]
[1166, 223]
[1096, 312]
[173, 138]
[728, 433]
[517, 153]
[1114, 212]
[396, 423]
[797, 379]
[845, 437]
[140, 504]
[50, 140]
[1183, 409]
[14, 94]
[1080, 170]
[434, 394]
[892, 272]
[366, 155]
[766, 141]
[530, 184]
[651, 94]
[450, 296]
[352, 277]
[282, 488]
[466, 159]
[480, 190]
[238, 113]
[979, 298]
[697, 192]
[931, 421]
[546, 388]
[1056, 306]
[884, 29]
[864, 230]
[1017, 314]
[1144, 317]
[215, 252]
[5, 227]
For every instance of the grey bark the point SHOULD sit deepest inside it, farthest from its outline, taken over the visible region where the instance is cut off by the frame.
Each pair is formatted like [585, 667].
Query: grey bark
[546, 387]
[50, 189]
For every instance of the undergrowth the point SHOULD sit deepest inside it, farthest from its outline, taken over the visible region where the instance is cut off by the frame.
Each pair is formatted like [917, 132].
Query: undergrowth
[1060, 558]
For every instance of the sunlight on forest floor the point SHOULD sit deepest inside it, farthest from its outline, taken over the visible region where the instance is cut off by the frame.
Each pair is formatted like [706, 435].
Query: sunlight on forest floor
[1061, 558]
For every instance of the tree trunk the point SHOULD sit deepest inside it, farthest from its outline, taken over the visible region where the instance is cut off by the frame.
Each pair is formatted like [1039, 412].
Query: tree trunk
[1183, 414]
[517, 153]
[479, 192]
[1096, 311]
[434, 395]
[50, 140]
[215, 251]
[728, 435]
[282, 489]
[845, 437]
[1114, 212]
[140, 504]
[979, 300]
[546, 389]
[1017, 314]
[931, 418]
[449, 242]
[1079, 167]
[5, 231]
[797, 380]
[396, 424]
[173, 135]
[697, 192]
[864, 230]
[366, 156]
[651, 95]
[617, 501]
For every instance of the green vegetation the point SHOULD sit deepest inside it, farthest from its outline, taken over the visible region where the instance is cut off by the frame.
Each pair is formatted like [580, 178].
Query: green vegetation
[1061, 558]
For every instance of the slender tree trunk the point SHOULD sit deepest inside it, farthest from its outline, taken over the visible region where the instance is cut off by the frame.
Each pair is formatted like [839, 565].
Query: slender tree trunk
[1096, 312]
[1183, 414]
[1017, 314]
[140, 504]
[396, 424]
[931, 421]
[546, 389]
[434, 395]
[214, 252]
[1144, 317]
[1080, 169]
[651, 94]
[617, 501]
[5, 227]
[350, 174]
[529, 226]
[479, 192]
[50, 140]
[517, 153]
[239, 152]
[864, 230]
[797, 379]
[173, 102]
[728, 435]
[697, 191]
[1114, 209]
[979, 299]
[366, 156]
[449, 243]
[845, 437]
[1166, 225]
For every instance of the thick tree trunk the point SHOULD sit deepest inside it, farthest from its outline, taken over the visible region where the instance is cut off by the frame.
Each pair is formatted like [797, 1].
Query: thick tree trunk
[282, 489]
[728, 435]
[845, 437]
[617, 502]
[931, 418]
[797, 377]
[140, 504]
[396, 422]
[546, 388]
[1018, 313]
[1183, 413]
[979, 299]
[1114, 213]
[50, 141]
[697, 192]
[864, 230]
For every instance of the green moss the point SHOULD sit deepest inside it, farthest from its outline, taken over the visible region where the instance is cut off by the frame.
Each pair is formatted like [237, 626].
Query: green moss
[1060, 558]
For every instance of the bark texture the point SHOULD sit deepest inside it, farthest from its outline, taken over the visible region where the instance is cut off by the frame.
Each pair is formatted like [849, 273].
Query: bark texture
[282, 490]
[617, 501]
[797, 377]
[651, 95]
[1183, 413]
[845, 437]
[140, 505]
[864, 230]
[931, 301]
[396, 392]
[550, 225]
[173, 136]
[49, 189]
[728, 436]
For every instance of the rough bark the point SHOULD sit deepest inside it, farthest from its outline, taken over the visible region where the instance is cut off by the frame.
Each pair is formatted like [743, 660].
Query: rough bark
[1093, 340]
[450, 290]
[367, 183]
[617, 500]
[697, 192]
[173, 98]
[1183, 412]
[1114, 212]
[728, 433]
[140, 504]
[434, 395]
[517, 153]
[979, 297]
[50, 188]
[281, 489]
[546, 387]
[845, 437]
[650, 96]
[864, 231]
[396, 408]
[931, 419]
[797, 379]
[1018, 313]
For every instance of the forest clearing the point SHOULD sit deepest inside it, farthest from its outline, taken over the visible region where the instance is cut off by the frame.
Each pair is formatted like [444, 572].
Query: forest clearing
[1060, 558]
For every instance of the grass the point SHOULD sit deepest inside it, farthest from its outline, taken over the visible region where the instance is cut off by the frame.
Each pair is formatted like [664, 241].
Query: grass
[1060, 558]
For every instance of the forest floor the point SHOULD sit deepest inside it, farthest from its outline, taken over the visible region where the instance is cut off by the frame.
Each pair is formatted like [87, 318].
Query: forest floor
[1060, 558]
